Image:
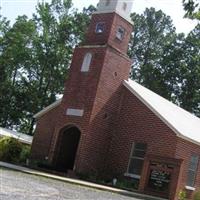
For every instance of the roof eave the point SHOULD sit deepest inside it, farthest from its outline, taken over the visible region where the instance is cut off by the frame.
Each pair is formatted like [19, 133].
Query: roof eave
[178, 134]
[125, 83]
[47, 109]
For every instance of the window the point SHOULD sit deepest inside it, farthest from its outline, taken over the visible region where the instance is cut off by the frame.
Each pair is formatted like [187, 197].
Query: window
[120, 33]
[86, 62]
[137, 159]
[192, 170]
[100, 27]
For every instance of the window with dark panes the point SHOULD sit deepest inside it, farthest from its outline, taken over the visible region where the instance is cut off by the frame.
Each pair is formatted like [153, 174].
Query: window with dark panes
[192, 170]
[137, 159]
[100, 27]
[120, 33]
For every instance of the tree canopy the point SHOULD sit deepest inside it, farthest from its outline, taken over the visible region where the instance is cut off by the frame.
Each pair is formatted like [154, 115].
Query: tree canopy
[192, 8]
[35, 58]
[164, 61]
[35, 55]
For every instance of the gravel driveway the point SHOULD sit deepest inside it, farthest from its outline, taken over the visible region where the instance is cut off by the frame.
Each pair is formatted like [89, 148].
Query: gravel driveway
[19, 186]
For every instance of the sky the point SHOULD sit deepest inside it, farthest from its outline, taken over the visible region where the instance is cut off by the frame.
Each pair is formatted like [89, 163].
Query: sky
[12, 8]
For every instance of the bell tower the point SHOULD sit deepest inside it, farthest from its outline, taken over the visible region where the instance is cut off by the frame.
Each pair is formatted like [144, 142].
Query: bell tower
[93, 89]
[111, 24]
[121, 7]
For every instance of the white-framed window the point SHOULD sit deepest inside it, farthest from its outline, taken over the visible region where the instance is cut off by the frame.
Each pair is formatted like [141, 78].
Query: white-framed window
[100, 27]
[136, 159]
[192, 170]
[120, 33]
[86, 62]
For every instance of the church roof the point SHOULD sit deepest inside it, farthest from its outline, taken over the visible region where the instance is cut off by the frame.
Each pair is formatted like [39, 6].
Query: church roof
[183, 123]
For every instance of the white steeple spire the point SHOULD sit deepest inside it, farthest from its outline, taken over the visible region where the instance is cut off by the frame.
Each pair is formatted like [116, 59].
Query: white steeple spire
[121, 7]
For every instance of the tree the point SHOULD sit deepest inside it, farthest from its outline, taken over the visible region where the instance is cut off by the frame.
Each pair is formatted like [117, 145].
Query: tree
[153, 48]
[189, 96]
[192, 8]
[37, 54]
[15, 57]
[166, 62]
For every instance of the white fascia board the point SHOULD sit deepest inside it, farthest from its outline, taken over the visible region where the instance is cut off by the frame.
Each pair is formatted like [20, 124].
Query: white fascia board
[47, 109]
[125, 83]
[178, 134]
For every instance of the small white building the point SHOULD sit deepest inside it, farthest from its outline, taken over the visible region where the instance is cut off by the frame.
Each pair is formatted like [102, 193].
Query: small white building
[23, 138]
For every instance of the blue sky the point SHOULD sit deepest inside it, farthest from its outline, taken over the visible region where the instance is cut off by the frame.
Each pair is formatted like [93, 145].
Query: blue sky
[12, 8]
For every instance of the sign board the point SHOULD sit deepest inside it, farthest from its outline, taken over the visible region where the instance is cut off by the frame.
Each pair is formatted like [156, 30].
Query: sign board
[159, 180]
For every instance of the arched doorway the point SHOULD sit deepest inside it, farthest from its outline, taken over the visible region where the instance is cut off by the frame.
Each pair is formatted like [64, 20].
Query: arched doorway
[68, 145]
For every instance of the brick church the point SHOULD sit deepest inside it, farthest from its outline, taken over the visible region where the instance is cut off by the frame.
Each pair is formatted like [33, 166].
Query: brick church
[109, 125]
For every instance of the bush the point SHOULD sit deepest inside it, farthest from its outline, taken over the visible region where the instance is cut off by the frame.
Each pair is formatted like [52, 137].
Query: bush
[182, 195]
[25, 153]
[130, 184]
[197, 196]
[10, 149]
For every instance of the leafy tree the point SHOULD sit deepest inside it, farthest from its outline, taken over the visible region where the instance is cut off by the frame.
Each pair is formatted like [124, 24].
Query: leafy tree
[166, 62]
[10, 149]
[192, 8]
[189, 96]
[37, 54]
[15, 56]
[153, 45]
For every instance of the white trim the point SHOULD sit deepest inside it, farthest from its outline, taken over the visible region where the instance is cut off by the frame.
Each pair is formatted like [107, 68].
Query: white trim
[132, 175]
[92, 46]
[130, 159]
[47, 109]
[178, 134]
[190, 188]
[128, 19]
[74, 112]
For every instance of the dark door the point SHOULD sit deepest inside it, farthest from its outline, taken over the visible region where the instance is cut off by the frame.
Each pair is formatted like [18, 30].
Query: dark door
[68, 146]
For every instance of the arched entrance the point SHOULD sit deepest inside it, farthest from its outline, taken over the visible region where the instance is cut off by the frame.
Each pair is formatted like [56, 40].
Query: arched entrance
[67, 149]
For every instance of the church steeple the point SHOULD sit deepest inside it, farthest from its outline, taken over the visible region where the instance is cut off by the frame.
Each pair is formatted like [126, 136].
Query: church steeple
[121, 7]
[93, 93]
[111, 25]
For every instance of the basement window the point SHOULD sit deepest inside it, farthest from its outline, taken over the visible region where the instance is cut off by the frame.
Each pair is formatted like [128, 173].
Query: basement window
[86, 62]
[136, 160]
[192, 170]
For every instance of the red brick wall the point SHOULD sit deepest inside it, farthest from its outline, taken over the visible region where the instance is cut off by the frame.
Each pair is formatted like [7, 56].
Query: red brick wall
[98, 93]
[104, 111]
[43, 134]
[137, 123]
[184, 151]
[80, 92]
[112, 22]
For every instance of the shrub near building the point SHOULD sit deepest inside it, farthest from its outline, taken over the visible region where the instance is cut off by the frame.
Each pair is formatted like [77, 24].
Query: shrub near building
[11, 150]
[197, 196]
